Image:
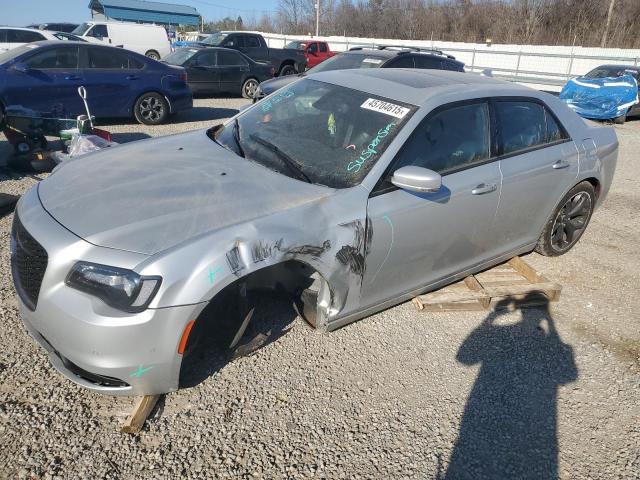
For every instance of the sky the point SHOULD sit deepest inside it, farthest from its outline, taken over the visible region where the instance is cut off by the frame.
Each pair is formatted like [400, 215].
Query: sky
[24, 12]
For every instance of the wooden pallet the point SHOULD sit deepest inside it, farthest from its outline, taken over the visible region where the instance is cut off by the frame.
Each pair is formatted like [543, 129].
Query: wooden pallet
[515, 281]
[141, 410]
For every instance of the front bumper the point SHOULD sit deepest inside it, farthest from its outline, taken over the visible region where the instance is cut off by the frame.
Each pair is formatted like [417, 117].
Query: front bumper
[90, 343]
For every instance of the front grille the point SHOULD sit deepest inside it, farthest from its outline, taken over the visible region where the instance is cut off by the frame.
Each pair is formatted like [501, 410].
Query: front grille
[100, 380]
[28, 263]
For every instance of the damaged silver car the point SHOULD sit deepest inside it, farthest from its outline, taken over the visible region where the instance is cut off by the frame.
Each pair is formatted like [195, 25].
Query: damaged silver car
[353, 191]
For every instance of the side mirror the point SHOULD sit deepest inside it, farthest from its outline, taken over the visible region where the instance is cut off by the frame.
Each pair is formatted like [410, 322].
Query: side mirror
[21, 67]
[229, 43]
[417, 179]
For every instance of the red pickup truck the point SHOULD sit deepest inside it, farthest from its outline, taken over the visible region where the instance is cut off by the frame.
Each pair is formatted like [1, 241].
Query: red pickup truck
[314, 50]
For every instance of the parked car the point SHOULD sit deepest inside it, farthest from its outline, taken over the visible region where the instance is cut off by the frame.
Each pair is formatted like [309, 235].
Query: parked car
[381, 57]
[55, 27]
[594, 95]
[353, 190]
[253, 45]
[149, 40]
[12, 37]
[45, 76]
[220, 70]
[190, 43]
[315, 51]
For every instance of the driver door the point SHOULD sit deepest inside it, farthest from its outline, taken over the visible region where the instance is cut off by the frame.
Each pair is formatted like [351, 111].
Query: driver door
[420, 238]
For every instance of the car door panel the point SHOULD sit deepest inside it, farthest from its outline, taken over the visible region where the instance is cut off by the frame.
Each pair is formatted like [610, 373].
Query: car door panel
[203, 72]
[232, 68]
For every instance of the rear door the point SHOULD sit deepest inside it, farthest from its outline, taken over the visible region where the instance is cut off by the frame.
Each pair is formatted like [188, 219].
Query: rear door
[112, 79]
[232, 68]
[420, 238]
[203, 72]
[539, 163]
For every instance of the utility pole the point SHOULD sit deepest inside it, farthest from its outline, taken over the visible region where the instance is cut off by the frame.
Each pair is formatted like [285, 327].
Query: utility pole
[317, 17]
[606, 27]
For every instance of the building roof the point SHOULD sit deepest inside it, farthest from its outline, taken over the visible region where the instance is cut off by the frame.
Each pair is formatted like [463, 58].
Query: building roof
[143, 11]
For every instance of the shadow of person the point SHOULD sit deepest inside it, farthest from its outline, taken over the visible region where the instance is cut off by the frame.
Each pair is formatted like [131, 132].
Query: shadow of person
[509, 426]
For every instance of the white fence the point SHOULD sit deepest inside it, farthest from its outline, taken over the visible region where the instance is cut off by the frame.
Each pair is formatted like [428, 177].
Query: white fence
[543, 67]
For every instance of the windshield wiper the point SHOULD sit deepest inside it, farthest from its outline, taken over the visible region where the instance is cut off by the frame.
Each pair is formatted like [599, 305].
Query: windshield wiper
[236, 136]
[287, 160]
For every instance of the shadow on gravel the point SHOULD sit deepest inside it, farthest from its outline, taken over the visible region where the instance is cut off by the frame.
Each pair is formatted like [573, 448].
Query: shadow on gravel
[509, 426]
[272, 319]
[203, 114]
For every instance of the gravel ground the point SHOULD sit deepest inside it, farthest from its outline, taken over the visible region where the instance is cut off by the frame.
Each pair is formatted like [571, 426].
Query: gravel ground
[401, 394]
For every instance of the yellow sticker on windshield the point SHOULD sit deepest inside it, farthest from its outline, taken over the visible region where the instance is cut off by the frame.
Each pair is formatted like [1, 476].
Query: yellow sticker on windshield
[331, 124]
[385, 107]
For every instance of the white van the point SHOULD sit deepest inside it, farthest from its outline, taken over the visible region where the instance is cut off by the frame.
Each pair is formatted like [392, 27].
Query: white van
[149, 40]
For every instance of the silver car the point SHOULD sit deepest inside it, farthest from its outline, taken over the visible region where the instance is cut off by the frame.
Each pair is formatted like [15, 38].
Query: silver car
[354, 191]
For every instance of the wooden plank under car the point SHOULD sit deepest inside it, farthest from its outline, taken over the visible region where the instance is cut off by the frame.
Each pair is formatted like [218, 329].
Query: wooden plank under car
[514, 280]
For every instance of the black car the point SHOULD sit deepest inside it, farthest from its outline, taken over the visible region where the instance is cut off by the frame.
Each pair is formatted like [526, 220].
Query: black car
[385, 56]
[220, 70]
[56, 27]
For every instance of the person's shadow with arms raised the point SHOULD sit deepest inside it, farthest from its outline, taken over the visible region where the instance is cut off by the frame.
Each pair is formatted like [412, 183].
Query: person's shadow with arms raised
[509, 425]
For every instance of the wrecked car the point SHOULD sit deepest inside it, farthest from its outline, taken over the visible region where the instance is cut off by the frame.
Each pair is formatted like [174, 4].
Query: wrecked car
[411, 180]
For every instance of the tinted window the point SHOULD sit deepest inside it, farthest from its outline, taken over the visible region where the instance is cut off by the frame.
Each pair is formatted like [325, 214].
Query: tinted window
[23, 36]
[238, 41]
[252, 42]
[54, 58]
[554, 132]
[323, 47]
[449, 140]
[98, 31]
[313, 48]
[108, 58]
[402, 62]
[346, 61]
[206, 59]
[227, 59]
[427, 62]
[455, 66]
[180, 56]
[3, 36]
[522, 125]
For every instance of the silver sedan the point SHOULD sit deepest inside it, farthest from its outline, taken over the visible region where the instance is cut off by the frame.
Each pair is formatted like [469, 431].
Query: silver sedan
[354, 191]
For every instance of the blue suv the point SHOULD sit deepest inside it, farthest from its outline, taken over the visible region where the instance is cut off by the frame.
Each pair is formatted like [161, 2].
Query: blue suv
[45, 76]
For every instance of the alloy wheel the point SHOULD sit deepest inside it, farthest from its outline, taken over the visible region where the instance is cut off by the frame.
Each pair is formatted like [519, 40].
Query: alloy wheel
[151, 109]
[250, 87]
[571, 221]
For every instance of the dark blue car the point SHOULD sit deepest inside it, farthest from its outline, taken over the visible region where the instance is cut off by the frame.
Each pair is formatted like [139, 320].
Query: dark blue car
[45, 76]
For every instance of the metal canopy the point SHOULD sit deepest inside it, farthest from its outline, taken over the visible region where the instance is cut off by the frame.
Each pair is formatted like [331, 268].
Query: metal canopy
[143, 11]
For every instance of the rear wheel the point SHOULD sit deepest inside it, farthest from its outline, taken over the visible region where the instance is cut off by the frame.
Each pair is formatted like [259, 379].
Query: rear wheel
[287, 70]
[568, 221]
[151, 109]
[249, 88]
[153, 55]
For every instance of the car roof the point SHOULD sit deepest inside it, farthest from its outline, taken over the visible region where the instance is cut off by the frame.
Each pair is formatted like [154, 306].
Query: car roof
[28, 29]
[391, 51]
[626, 67]
[414, 86]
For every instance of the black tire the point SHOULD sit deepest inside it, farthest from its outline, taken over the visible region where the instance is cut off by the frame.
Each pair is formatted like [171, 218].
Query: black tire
[568, 221]
[1, 116]
[620, 120]
[249, 88]
[287, 70]
[153, 55]
[151, 108]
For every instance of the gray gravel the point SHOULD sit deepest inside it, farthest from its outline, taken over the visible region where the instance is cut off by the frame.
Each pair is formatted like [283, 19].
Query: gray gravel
[401, 394]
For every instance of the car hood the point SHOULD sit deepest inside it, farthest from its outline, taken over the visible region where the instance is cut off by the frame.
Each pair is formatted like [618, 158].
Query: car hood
[270, 86]
[154, 194]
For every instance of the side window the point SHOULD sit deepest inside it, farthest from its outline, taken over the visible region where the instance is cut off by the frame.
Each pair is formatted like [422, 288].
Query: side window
[23, 36]
[404, 61]
[66, 57]
[423, 61]
[229, 59]
[252, 42]
[98, 31]
[454, 66]
[554, 132]
[136, 63]
[323, 47]
[313, 48]
[107, 58]
[206, 59]
[3, 35]
[239, 41]
[522, 125]
[449, 140]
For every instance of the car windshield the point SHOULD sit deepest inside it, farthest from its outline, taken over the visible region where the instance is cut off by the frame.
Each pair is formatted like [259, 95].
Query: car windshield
[316, 132]
[611, 72]
[294, 46]
[180, 56]
[215, 38]
[81, 29]
[348, 61]
[16, 52]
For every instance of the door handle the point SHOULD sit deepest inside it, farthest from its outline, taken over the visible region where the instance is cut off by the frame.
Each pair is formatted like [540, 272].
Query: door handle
[484, 188]
[72, 77]
[561, 164]
[132, 77]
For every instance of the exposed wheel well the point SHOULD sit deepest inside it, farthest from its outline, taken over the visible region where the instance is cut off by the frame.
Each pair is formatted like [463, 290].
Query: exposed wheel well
[285, 64]
[596, 184]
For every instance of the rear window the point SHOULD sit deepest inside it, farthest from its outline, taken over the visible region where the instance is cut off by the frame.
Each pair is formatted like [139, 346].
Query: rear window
[428, 62]
[180, 56]
[16, 52]
[65, 57]
[611, 71]
[347, 61]
[23, 36]
[107, 58]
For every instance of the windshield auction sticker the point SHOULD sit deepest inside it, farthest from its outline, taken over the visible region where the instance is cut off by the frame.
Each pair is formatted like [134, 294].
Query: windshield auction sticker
[385, 107]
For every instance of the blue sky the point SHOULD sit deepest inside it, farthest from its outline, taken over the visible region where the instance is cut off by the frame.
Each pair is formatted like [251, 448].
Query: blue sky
[23, 12]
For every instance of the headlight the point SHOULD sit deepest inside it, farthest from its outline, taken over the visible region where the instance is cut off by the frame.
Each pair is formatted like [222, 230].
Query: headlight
[118, 287]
